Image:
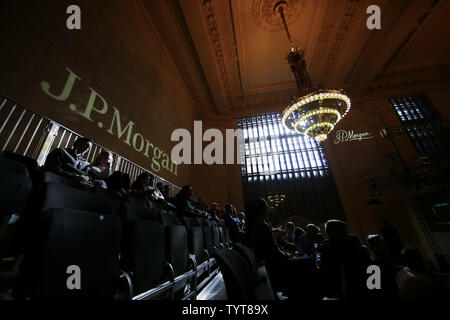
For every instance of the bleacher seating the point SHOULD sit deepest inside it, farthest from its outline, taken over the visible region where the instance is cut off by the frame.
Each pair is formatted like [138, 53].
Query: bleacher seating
[163, 255]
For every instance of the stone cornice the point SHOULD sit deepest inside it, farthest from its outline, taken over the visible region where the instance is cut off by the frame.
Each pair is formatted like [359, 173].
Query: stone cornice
[209, 16]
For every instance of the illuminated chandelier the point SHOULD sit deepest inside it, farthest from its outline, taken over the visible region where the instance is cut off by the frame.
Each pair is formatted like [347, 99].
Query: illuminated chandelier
[314, 112]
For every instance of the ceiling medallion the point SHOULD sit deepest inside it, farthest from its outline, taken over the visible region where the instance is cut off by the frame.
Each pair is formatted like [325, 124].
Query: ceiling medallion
[269, 19]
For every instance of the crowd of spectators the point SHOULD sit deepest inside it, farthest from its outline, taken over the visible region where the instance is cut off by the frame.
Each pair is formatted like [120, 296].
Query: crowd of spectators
[71, 162]
[333, 264]
[305, 263]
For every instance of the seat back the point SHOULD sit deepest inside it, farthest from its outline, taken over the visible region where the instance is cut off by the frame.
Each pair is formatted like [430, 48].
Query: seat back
[248, 255]
[15, 186]
[196, 243]
[176, 241]
[238, 278]
[263, 290]
[15, 190]
[30, 163]
[135, 211]
[50, 177]
[143, 253]
[207, 234]
[90, 242]
[63, 196]
[177, 249]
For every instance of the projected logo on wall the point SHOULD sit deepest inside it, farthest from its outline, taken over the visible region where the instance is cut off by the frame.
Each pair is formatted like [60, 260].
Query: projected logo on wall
[350, 135]
[128, 134]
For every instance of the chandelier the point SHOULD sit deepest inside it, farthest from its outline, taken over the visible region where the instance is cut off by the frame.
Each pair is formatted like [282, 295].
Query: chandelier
[313, 112]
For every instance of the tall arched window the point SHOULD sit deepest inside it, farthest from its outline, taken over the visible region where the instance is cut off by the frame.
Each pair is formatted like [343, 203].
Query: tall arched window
[288, 169]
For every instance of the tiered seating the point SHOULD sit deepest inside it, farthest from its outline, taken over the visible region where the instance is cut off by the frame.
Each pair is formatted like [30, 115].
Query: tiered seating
[161, 255]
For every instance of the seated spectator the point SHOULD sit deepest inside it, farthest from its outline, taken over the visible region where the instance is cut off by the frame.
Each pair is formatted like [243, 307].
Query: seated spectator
[343, 268]
[231, 221]
[305, 243]
[241, 218]
[100, 169]
[379, 255]
[279, 236]
[157, 192]
[185, 204]
[142, 188]
[160, 188]
[201, 205]
[101, 174]
[213, 212]
[289, 233]
[296, 276]
[166, 193]
[69, 161]
[415, 281]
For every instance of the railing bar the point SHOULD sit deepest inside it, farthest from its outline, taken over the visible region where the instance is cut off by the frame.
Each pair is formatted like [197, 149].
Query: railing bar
[68, 139]
[93, 154]
[32, 137]
[14, 130]
[61, 139]
[162, 287]
[4, 101]
[7, 118]
[24, 131]
[134, 170]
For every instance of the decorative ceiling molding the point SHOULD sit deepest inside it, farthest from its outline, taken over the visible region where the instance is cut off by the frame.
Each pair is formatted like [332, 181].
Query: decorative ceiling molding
[262, 12]
[209, 16]
[415, 83]
[340, 28]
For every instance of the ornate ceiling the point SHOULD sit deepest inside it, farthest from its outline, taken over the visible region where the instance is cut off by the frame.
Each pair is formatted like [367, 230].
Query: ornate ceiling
[231, 53]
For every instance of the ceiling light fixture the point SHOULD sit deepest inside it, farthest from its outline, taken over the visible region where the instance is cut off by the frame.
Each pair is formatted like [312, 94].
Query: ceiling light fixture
[314, 112]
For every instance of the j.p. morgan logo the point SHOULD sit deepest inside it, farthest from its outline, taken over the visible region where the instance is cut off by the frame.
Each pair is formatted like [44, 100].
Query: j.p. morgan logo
[345, 136]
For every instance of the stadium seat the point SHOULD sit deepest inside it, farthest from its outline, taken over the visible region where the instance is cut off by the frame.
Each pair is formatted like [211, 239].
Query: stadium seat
[239, 280]
[176, 246]
[55, 195]
[50, 177]
[31, 164]
[263, 290]
[207, 235]
[196, 244]
[135, 211]
[89, 241]
[143, 252]
[15, 188]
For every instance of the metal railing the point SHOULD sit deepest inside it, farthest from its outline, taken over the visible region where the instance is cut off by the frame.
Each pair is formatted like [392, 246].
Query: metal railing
[32, 135]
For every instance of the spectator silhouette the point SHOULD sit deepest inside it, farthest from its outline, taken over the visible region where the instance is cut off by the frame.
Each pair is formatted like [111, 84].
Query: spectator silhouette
[142, 187]
[70, 161]
[392, 240]
[305, 242]
[185, 204]
[342, 266]
[233, 223]
[379, 255]
[297, 277]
